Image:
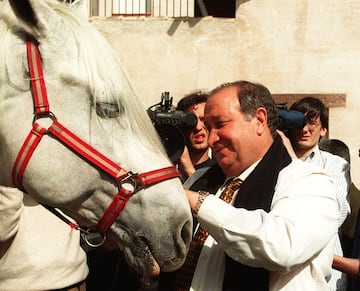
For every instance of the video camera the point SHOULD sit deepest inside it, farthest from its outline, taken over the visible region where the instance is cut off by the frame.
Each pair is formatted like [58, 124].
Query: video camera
[290, 119]
[169, 123]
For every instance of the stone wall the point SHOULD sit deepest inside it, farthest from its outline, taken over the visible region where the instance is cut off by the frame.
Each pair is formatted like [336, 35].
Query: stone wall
[289, 46]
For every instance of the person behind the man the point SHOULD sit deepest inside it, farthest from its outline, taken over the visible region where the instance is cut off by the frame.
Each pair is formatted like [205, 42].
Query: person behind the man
[278, 232]
[196, 155]
[339, 148]
[350, 228]
[305, 144]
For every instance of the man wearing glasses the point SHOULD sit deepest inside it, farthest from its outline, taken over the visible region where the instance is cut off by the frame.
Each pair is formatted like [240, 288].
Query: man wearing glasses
[305, 144]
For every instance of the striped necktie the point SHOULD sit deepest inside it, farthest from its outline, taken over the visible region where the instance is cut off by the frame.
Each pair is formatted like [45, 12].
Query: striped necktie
[185, 274]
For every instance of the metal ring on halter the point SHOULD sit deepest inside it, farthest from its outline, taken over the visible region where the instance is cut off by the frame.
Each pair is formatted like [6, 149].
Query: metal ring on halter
[44, 115]
[93, 238]
[129, 182]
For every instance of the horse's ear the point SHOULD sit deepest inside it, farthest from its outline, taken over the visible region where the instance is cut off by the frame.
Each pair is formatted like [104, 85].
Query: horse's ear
[34, 16]
[82, 6]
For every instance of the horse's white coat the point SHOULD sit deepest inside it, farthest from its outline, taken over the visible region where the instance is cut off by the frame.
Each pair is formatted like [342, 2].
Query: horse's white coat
[82, 74]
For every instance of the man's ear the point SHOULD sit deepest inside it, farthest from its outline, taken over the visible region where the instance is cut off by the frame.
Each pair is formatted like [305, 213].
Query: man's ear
[323, 131]
[261, 120]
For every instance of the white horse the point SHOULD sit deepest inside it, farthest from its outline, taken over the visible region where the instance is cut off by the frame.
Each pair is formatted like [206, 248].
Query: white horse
[94, 133]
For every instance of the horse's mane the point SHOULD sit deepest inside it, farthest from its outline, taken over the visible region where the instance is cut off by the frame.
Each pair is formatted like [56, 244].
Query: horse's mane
[115, 86]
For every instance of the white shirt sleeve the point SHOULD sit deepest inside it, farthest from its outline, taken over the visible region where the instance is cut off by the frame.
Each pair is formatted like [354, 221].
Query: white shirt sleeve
[302, 221]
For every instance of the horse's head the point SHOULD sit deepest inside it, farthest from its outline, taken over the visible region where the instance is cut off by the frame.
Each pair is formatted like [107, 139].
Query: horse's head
[90, 95]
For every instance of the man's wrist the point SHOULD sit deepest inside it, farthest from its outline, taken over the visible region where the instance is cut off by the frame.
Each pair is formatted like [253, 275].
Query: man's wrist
[201, 197]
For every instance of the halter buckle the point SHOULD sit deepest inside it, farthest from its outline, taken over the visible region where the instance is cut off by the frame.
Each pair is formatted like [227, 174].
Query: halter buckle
[130, 182]
[92, 238]
[48, 114]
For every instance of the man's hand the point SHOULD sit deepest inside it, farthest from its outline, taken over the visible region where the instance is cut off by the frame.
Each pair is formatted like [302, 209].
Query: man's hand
[186, 163]
[192, 197]
[287, 144]
[349, 266]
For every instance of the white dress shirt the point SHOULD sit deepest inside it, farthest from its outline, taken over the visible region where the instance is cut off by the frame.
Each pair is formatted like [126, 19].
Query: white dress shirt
[294, 241]
[339, 169]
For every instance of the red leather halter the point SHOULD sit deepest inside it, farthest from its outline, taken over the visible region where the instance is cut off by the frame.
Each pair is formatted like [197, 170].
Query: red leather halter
[128, 182]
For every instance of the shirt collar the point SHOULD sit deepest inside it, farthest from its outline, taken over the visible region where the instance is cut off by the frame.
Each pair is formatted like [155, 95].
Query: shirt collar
[245, 173]
[315, 152]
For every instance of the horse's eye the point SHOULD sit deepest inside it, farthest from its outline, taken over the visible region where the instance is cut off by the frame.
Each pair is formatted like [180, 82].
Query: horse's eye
[107, 110]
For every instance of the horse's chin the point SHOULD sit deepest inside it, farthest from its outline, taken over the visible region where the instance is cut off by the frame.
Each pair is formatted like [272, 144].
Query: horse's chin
[143, 257]
[165, 266]
[140, 257]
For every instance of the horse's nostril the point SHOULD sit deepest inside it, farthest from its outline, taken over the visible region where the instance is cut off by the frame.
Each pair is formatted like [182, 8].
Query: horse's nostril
[186, 232]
